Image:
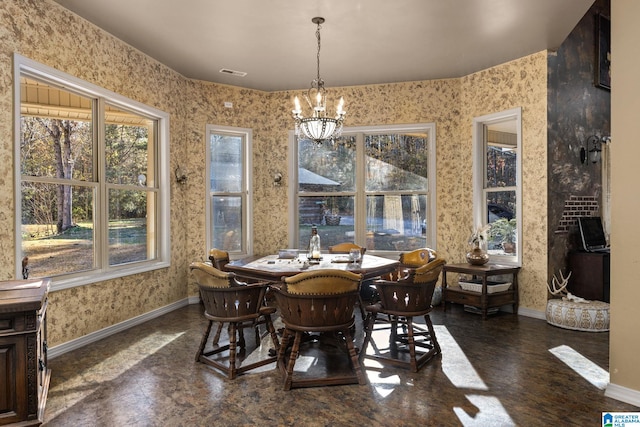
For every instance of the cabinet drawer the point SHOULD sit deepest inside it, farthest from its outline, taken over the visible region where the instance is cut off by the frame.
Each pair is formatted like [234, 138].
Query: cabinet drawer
[462, 297]
[18, 323]
[497, 300]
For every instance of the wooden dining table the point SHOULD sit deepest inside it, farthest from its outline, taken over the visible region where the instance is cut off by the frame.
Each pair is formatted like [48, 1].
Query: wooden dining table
[272, 268]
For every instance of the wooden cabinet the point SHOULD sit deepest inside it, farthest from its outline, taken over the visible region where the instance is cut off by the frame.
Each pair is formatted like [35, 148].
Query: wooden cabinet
[483, 299]
[24, 376]
[590, 275]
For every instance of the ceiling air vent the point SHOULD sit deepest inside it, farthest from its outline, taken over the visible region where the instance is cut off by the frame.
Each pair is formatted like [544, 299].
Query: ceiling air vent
[233, 72]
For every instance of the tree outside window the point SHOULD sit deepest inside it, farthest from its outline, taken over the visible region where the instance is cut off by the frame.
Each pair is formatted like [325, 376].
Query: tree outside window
[85, 203]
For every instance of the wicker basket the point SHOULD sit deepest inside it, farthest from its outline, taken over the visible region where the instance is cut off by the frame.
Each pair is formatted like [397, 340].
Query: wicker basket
[332, 219]
[492, 287]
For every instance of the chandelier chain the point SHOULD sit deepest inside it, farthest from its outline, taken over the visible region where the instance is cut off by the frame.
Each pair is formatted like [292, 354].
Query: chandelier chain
[319, 80]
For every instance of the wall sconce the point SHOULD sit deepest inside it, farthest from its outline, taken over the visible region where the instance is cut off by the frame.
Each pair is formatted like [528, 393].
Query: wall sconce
[181, 175]
[277, 179]
[593, 149]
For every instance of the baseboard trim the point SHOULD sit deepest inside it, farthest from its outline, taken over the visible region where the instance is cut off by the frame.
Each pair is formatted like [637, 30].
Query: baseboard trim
[623, 394]
[536, 314]
[68, 346]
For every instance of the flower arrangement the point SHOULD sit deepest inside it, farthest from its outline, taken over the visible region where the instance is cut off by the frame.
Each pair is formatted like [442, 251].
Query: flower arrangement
[479, 235]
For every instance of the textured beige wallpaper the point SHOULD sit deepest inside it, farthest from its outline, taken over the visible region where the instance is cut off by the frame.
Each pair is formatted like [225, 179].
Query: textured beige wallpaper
[47, 33]
[519, 83]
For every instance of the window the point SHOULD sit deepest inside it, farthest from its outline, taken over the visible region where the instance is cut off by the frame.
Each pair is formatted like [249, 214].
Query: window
[497, 183]
[228, 207]
[91, 180]
[374, 186]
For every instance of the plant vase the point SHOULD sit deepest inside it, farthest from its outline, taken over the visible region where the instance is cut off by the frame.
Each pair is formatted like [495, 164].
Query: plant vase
[509, 247]
[477, 256]
[332, 219]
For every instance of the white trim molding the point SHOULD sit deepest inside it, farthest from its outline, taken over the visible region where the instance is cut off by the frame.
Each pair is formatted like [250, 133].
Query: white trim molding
[623, 394]
[77, 343]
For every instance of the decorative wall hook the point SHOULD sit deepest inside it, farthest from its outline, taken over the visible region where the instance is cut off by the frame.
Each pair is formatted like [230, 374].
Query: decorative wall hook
[181, 175]
[277, 179]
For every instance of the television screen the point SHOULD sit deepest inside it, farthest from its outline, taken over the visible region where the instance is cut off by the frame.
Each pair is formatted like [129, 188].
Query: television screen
[592, 233]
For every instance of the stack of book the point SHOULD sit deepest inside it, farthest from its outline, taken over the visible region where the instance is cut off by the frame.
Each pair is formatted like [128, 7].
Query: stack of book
[475, 285]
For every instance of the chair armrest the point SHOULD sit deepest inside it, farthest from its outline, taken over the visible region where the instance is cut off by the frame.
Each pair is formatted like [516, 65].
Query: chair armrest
[267, 309]
[236, 282]
[278, 286]
[255, 284]
[401, 275]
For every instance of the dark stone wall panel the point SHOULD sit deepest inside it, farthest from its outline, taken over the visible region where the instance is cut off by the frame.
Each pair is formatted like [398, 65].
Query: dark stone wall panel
[577, 109]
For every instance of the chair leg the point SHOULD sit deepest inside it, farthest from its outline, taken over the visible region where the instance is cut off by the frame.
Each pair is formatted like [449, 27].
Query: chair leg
[288, 376]
[361, 306]
[407, 340]
[355, 361]
[411, 344]
[368, 327]
[272, 331]
[284, 343]
[393, 334]
[204, 339]
[217, 337]
[432, 334]
[232, 349]
[240, 330]
[256, 329]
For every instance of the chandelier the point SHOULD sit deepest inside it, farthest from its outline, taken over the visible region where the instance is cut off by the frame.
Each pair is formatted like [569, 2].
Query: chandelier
[318, 127]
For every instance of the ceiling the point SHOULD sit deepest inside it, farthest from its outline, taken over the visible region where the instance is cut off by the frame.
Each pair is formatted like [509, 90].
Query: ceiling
[363, 41]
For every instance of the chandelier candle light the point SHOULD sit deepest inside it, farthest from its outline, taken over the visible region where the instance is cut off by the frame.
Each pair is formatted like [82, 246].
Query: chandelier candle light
[318, 127]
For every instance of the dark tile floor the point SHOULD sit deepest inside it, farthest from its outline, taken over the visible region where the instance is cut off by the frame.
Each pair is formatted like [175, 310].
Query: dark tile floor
[507, 370]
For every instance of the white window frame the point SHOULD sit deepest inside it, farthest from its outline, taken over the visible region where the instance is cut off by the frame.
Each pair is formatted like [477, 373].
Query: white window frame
[479, 172]
[360, 195]
[247, 191]
[26, 66]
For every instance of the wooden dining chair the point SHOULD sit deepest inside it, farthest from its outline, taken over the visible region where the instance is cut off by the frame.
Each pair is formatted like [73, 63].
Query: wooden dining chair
[219, 258]
[411, 260]
[417, 258]
[239, 305]
[345, 248]
[409, 344]
[365, 287]
[319, 301]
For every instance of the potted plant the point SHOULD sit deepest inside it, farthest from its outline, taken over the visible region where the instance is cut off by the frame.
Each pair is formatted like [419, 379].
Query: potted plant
[504, 231]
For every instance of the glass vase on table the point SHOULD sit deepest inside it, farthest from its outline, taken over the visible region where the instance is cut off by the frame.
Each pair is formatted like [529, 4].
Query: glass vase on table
[477, 255]
[314, 245]
[355, 256]
[478, 240]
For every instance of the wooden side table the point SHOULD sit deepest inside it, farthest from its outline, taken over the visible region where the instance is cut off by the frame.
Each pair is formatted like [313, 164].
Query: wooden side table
[483, 299]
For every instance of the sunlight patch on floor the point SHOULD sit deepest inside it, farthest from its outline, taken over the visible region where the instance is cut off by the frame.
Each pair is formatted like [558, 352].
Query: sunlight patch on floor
[490, 413]
[582, 366]
[304, 363]
[455, 364]
[457, 367]
[382, 384]
[79, 386]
